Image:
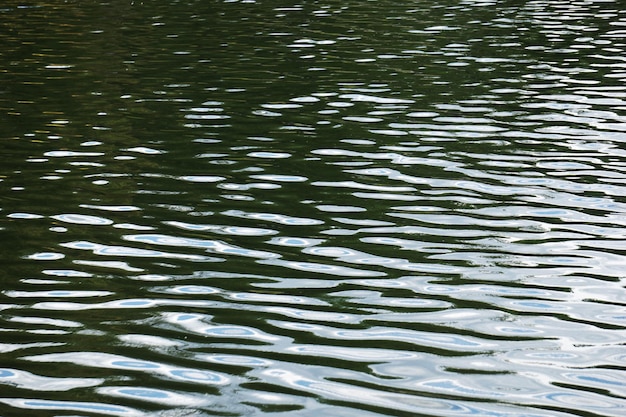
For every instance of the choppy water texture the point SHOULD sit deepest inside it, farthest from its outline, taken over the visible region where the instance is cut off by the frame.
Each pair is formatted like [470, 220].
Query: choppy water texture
[321, 208]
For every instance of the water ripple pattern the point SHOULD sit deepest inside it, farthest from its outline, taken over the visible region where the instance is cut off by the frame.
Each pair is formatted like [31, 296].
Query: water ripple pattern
[324, 208]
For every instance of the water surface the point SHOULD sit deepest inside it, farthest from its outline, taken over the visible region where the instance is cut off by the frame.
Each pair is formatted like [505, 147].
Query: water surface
[342, 208]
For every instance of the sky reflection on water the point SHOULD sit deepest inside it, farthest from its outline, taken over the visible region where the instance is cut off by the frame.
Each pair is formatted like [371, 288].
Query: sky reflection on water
[345, 208]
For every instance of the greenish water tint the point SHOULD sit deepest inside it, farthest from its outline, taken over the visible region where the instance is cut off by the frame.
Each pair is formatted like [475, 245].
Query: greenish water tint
[316, 208]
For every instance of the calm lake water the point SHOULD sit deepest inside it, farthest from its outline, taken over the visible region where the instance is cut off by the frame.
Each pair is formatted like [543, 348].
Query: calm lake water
[315, 208]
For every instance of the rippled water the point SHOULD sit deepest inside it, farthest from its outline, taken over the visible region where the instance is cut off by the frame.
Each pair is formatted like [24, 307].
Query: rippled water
[324, 208]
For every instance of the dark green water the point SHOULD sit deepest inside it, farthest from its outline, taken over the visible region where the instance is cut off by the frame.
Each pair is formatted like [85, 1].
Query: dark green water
[323, 208]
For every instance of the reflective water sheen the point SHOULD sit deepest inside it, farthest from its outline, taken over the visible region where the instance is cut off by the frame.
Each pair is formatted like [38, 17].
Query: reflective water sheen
[315, 208]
